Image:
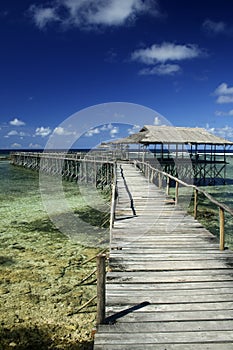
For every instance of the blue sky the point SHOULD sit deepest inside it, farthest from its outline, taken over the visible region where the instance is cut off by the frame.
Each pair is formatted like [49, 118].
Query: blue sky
[61, 57]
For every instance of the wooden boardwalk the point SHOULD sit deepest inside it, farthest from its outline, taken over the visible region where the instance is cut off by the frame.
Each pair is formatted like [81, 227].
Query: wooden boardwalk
[170, 287]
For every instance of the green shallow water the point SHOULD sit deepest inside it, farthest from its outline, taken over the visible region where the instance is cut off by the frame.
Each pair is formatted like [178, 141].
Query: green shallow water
[41, 267]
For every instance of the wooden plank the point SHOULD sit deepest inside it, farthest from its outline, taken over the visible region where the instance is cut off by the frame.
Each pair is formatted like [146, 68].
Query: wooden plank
[167, 337]
[170, 316]
[196, 346]
[170, 276]
[116, 264]
[212, 306]
[167, 326]
[155, 287]
[173, 299]
[164, 257]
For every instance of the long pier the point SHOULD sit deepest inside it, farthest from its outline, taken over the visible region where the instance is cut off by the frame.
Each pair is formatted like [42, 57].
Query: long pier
[169, 286]
[78, 167]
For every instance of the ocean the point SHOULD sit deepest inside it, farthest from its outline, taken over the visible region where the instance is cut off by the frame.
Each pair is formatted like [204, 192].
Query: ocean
[41, 267]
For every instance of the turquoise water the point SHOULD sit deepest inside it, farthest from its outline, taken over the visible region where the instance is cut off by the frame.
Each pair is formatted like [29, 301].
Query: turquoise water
[21, 207]
[40, 267]
[208, 213]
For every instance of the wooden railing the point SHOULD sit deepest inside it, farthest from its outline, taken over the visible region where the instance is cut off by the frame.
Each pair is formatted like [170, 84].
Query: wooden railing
[114, 197]
[150, 173]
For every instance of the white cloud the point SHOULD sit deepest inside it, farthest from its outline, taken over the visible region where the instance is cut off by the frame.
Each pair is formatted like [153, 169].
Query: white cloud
[213, 27]
[22, 134]
[166, 52]
[223, 114]
[12, 133]
[105, 127]
[42, 131]
[114, 131]
[63, 132]
[134, 129]
[224, 93]
[91, 13]
[158, 57]
[35, 145]
[16, 145]
[92, 132]
[157, 121]
[224, 99]
[43, 15]
[223, 89]
[17, 122]
[162, 69]
[226, 132]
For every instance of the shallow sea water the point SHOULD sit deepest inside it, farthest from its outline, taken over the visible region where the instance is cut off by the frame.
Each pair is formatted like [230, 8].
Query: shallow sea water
[208, 213]
[41, 267]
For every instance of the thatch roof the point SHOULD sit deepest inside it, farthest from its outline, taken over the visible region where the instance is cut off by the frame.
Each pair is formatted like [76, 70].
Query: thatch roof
[151, 134]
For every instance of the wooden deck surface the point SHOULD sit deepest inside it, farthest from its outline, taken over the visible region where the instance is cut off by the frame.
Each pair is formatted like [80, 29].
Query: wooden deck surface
[170, 287]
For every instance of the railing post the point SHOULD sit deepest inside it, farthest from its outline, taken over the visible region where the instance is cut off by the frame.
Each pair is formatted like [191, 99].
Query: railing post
[221, 226]
[114, 197]
[101, 274]
[177, 192]
[168, 186]
[195, 203]
[160, 180]
[152, 176]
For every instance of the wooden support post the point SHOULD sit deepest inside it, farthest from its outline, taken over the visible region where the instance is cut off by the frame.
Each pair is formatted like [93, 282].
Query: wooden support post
[168, 186]
[195, 203]
[101, 273]
[177, 192]
[221, 227]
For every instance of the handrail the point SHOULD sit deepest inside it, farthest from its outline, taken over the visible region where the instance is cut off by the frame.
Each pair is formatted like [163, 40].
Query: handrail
[222, 207]
[65, 156]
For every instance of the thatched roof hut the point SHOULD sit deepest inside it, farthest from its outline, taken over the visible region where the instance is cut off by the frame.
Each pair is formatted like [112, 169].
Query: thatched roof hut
[152, 135]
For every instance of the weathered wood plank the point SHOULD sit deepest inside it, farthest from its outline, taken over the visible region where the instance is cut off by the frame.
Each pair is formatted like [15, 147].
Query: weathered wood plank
[155, 287]
[117, 264]
[167, 326]
[132, 277]
[169, 316]
[184, 346]
[166, 337]
[212, 306]
[173, 299]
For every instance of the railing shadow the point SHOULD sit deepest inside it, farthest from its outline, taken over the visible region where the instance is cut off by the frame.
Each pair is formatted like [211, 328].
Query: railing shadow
[113, 318]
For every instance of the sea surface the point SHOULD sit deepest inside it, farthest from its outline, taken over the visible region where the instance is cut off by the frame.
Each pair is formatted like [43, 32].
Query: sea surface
[41, 267]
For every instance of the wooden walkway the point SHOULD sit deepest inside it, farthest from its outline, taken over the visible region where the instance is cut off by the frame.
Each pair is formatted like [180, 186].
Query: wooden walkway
[169, 287]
